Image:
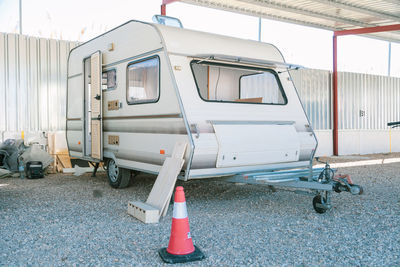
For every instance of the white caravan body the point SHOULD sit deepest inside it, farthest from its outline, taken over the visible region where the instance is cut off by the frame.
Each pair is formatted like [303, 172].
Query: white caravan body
[136, 90]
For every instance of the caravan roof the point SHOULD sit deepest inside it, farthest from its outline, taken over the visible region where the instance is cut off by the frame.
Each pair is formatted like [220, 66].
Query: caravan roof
[191, 42]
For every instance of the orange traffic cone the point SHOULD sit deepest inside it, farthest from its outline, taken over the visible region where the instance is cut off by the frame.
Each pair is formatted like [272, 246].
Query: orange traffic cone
[180, 248]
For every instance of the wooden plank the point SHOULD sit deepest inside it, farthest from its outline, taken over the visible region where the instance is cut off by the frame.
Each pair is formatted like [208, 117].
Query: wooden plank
[65, 161]
[163, 187]
[59, 167]
[178, 153]
[62, 152]
[165, 209]
[96, 104]
[179, 150]
[250, 100]
[95, 84]
[165, 183]
[51, 140]
[96, 139]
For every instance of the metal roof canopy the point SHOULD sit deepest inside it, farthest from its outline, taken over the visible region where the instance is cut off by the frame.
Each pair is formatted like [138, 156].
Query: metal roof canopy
[334, 15]
[378, 19]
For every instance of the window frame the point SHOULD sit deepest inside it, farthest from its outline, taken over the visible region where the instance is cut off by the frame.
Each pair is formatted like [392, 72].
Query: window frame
[194, 61]
[159, 80]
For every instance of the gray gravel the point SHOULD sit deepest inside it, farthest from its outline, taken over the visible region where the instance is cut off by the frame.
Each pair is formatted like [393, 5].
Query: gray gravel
[67, 220]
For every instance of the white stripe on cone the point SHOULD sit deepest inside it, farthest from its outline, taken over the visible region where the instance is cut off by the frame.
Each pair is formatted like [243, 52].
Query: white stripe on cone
[180, 211]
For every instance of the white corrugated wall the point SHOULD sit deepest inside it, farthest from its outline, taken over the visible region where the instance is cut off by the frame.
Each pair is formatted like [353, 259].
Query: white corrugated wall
[365, 101]
[368, 101]
[33, 75]
[366, 104]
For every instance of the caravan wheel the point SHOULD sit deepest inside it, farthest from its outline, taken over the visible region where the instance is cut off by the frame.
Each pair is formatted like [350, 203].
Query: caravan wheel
[317, 204]
[117, 177]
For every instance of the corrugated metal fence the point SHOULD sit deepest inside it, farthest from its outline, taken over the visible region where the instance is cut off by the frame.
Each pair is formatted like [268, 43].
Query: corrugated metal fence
[365, 101]
[368, 102]
[33, 90]
[33, 75]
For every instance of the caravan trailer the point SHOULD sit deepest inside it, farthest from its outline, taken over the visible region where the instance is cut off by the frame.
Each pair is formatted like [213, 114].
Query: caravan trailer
[138, 89]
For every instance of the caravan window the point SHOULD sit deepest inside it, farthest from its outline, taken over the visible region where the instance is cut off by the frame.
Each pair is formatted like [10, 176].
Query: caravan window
[143, 81]
[109, 79]
[237, 84]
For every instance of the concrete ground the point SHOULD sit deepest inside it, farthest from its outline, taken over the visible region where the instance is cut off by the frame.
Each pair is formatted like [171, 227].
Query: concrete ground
[356, 158]
[67, 220]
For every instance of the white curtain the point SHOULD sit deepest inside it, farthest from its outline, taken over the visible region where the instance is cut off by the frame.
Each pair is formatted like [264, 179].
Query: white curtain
[143, 81]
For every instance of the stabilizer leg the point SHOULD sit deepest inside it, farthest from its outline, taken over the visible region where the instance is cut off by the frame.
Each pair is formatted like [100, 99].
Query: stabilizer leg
[96, 166]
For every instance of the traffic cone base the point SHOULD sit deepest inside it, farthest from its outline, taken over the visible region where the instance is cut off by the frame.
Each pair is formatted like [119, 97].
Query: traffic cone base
[180, 248]
[196, 255]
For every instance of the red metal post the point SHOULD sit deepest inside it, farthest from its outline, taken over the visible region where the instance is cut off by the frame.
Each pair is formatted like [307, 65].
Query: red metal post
[164, 6]
[163, 9]
[387, 28]
[335, 99]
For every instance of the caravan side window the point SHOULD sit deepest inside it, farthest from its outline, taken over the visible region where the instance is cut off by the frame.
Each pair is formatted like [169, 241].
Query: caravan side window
[109, 79]
[230, 83]
[143, 81]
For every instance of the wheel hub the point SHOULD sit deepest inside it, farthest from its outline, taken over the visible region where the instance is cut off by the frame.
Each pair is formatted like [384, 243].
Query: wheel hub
[113, 171]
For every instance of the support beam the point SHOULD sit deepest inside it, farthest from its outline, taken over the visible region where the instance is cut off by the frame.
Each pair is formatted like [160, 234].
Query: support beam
[163, 10]
[335, 99]
[164, 6]
[387, 28]
[20, 16]
[389, 58]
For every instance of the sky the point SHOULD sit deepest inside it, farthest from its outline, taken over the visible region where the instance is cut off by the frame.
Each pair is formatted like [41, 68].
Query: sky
[81, 20]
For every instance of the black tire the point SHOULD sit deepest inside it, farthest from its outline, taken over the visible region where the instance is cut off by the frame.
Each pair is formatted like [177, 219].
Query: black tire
[361, 190]
[318, 200]
[117, 177]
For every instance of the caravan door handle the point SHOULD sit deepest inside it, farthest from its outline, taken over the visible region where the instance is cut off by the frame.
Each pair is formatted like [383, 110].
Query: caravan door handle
[98, 118]
[97, 97]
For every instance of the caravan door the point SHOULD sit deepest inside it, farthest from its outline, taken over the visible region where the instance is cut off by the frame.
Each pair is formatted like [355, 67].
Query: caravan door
[93, 108]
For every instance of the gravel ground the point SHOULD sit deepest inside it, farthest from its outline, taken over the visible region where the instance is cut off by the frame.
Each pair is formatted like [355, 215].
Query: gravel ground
[67, 220]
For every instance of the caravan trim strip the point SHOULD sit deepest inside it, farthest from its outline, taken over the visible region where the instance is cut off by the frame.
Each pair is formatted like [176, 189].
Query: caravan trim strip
[167, 116]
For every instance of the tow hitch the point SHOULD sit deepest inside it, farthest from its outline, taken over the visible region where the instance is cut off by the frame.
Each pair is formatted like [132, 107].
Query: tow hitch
[340, 183]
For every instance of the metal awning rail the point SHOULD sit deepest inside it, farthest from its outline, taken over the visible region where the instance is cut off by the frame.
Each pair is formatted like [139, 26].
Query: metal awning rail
[245, 62]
